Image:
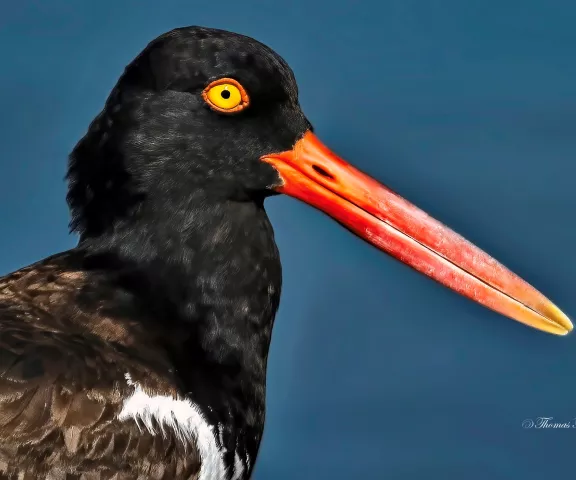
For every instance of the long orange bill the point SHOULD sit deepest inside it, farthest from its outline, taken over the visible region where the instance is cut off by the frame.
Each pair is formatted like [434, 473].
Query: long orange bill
[317, 176]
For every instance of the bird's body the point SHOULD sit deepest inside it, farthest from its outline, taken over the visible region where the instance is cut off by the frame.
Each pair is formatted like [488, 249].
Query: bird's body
[142, 352]
[187, 319]
[174, 303]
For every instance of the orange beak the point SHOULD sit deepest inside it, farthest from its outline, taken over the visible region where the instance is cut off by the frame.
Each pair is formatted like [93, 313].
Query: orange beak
[317, 176]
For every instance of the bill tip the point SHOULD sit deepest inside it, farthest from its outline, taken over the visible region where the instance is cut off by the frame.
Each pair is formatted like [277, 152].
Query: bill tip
[563, 321]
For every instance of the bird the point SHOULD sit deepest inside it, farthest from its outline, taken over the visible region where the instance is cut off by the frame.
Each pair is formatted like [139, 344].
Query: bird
[141, 353]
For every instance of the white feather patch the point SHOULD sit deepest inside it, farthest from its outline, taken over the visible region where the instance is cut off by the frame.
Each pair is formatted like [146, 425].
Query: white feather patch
[182, 417]
[238, 467]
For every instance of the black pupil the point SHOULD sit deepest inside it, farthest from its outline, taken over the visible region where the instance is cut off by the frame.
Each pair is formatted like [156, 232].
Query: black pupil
[225, 94]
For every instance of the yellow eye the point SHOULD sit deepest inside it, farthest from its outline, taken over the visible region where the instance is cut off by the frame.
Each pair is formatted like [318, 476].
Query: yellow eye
[226, 95]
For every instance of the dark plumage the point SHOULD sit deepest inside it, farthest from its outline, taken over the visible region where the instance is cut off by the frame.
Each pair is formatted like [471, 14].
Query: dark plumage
[176, 277]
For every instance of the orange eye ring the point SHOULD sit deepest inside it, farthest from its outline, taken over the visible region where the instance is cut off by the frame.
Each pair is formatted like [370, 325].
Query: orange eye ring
[226, 95]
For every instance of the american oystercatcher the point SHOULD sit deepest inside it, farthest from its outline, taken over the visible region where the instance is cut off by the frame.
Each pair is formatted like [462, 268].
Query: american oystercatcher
[141, 353]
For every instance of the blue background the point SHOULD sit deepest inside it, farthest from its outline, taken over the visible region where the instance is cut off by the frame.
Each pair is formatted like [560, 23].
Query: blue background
[468, 109]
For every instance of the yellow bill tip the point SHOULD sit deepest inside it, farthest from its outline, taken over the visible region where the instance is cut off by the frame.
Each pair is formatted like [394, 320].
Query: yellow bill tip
[561, 321]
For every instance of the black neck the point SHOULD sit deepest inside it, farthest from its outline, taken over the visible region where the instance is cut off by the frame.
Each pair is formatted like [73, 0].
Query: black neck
[210, 273]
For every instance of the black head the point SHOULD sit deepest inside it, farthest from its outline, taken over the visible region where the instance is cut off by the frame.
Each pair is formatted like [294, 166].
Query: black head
[158, 138]
[158, 151]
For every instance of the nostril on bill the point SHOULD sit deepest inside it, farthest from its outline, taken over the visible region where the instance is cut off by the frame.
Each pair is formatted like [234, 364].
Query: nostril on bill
[322, 172]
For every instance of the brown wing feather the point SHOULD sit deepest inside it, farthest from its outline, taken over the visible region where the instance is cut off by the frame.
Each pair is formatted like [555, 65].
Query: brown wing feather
[61, 388]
